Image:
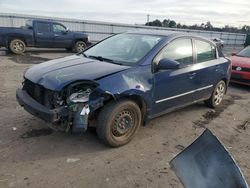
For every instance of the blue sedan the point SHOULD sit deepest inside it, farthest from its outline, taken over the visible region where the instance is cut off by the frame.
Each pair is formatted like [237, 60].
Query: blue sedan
[124, 81]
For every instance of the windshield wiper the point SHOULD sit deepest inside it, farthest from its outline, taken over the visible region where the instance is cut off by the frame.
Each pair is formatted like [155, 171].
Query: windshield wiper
[84, 54]
[100, 58]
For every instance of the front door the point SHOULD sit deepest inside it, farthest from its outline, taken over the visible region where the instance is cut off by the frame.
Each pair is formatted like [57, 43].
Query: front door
[62, 37]
[174, 88]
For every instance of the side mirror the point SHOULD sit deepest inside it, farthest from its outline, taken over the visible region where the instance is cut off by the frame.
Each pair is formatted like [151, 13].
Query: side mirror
[66, 31]
[233, 53]
[165, 64]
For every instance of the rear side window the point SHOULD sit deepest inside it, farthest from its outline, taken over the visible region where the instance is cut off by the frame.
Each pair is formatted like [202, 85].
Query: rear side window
[180, 50]
[205, 51]
[43, 27]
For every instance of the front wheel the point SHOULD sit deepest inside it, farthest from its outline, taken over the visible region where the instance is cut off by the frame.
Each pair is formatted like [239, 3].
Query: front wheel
[17, 46]
[118, 122]
[79, 46]
[217, 95]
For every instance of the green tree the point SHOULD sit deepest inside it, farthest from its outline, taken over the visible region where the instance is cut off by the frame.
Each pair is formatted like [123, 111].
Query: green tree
[246, 29]
[172, 23]
[208, 26]
[166, 22]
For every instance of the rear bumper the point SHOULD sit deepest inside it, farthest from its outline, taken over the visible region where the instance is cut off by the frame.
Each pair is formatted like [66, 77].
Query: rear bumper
[37, 109]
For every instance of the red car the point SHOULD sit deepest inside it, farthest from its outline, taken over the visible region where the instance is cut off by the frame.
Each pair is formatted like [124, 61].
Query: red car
[241, 67]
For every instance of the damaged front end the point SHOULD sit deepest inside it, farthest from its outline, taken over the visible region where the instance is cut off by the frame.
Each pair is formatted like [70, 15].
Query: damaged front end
[69, 109]
[80, 106]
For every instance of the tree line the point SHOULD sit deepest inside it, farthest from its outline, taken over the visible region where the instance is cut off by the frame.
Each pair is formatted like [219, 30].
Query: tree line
[203, 26]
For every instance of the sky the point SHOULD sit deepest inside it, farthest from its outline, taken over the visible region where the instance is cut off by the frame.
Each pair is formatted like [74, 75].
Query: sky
[218, 12]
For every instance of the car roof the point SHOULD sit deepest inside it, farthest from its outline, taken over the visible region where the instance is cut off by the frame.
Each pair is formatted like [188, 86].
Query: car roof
[154, 32]
[170, 34]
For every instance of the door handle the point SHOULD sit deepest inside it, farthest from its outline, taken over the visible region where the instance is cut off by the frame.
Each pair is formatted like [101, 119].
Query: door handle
[56, 35]
[39, 33]
[192, 75]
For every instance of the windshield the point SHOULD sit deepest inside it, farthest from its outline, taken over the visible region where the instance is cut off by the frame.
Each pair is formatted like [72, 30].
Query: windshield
[245, 52]
[125, 49]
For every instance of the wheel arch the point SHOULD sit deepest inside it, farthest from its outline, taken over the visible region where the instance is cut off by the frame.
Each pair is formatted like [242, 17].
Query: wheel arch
[80, 39]
[10, 38]
[138, 100]
[108, 97]
[226, 81]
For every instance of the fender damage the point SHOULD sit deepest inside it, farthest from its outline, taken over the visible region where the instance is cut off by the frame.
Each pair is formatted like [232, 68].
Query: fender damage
[73, 106]
[107, 89]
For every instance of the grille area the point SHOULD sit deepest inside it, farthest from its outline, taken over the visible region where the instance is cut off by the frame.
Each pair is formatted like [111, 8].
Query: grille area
[242, 68]
[36, 91]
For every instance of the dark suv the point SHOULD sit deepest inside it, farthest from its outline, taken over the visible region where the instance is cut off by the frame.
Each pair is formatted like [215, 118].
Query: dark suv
[124, 81]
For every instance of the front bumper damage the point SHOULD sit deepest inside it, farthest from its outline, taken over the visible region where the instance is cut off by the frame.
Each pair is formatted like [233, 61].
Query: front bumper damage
[38, 110]
[74, 115]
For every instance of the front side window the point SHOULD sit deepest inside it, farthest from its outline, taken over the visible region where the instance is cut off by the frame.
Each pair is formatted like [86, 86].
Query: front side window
[124, 48]
[180, 50]
[205, 51]
[57, 28]
[43, 27]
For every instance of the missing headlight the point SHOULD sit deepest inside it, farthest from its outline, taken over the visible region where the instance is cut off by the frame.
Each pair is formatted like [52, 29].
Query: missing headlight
[80, 97]
[77, 100]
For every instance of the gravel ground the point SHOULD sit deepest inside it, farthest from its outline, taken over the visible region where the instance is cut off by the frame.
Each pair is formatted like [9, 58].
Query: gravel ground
[31, 155]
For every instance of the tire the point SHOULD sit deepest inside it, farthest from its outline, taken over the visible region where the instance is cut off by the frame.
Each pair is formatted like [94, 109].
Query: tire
[118, 122]
[217, 95]
[79, 46]
[17, 46]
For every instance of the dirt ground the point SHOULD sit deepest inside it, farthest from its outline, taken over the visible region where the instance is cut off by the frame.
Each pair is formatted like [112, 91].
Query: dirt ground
[31, 155]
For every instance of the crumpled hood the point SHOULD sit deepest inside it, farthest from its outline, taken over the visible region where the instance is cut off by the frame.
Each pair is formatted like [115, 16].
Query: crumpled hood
[56, 74]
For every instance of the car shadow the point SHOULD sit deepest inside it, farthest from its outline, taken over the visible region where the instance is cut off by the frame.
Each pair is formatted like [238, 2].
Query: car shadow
[35, 56]
[240, 87]
[37, 51]
[37, 142]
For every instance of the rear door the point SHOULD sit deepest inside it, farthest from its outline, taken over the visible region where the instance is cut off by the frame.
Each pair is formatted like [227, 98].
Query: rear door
[174, 88]
[43, 35]
[61, 36]
[208, 68]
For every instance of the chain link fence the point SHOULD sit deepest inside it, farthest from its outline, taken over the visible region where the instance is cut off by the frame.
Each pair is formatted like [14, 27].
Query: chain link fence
[100, 30]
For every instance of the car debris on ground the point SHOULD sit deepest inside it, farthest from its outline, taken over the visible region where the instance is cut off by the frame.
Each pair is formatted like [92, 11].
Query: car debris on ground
[207, 164]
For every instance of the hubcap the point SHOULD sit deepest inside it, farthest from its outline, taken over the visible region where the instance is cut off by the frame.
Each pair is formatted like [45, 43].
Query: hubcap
[80, 47]
[219, 93]
[18, 46]
[122, 124]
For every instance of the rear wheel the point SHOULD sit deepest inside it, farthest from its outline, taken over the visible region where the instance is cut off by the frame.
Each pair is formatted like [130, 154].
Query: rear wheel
[17, 46]
[80, 46]
[217, 96]
[118, 122]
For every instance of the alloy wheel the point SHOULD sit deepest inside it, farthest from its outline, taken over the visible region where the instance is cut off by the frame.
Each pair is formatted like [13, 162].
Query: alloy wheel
[219, 93]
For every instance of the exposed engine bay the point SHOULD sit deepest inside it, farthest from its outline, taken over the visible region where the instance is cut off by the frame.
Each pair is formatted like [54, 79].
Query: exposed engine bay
[72, 104]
